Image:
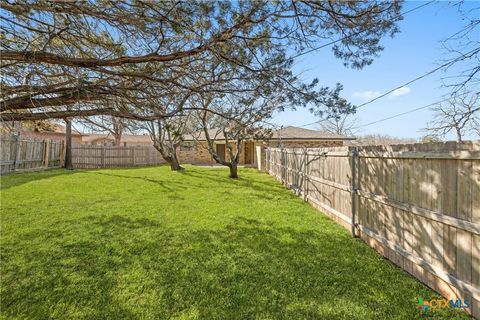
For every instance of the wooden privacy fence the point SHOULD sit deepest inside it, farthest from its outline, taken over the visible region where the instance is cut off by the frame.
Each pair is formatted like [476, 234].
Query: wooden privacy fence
[418, 204]
[19, 154]
[85, 156]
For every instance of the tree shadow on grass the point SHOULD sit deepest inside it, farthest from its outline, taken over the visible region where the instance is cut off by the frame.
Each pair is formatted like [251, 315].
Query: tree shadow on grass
[17, 179]
[241, 181]
[163, 184]
[201, 180]
[125, 268]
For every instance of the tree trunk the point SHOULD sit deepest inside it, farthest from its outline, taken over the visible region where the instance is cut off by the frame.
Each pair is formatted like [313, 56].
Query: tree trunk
[175, 164]
[118, 138]
[233, 170]
[459, 135]
[170, 158]
[68, 144]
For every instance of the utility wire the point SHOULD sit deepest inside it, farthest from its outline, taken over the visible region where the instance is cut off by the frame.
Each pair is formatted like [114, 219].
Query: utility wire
[357, 33]
[343, 38]
[411, 111]
[311, 123]
[445, 65]
[354, 34]
[398, 115]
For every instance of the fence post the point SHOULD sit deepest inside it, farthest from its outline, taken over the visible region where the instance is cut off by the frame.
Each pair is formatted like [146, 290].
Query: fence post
[353, 188]
[46, 153]
[269, 167]
[62, 154]
[102, 159]
[133, 156]
[17, 149]
[267, 160]
[286, 167]
[305, 175]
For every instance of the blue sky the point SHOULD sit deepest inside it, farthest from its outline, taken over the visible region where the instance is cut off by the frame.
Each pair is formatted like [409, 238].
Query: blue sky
[412, 52]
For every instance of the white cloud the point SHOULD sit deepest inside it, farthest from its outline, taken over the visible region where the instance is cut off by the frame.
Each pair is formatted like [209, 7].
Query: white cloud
[366, 95]
[369, 95]
[401, 91]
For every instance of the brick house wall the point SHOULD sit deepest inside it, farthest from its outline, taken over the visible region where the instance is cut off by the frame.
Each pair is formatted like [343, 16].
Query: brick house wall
[199, 153]
[304, 144]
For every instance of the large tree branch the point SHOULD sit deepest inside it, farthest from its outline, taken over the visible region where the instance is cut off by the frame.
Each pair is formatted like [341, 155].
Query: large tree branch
[28, 102]
[81, 113]
[54, 114]
[50, 58]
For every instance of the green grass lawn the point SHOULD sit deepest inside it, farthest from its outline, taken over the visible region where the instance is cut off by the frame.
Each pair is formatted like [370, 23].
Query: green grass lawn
[149, 243]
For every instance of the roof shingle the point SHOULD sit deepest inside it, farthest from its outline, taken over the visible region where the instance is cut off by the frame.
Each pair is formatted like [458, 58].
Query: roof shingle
[287, 133]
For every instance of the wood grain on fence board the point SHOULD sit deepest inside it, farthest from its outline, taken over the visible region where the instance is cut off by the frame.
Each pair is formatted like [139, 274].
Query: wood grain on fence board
[19, 154]
[89, 157]
[418, 204]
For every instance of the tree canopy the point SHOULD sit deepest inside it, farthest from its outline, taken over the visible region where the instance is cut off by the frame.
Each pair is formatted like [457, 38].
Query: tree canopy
[73, 58]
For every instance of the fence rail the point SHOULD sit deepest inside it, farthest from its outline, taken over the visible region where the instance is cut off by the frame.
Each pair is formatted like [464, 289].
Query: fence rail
[86, 156]
[19, 154]
[418, 204]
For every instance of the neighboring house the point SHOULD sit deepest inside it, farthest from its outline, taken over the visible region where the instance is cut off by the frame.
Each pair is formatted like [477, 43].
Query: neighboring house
[127, 140]
[379, 139]
[194, 148]
[295, 137]
[57, 134]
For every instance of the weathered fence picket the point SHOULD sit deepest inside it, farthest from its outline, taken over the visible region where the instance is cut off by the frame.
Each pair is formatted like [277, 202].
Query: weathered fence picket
[19, 154]
[89, 157]
[417, 204]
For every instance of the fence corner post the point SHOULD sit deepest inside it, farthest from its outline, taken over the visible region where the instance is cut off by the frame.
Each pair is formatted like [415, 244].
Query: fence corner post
[353, 188]
[261, 158]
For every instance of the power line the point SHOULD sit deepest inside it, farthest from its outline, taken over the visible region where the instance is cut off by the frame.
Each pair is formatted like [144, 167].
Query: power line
[311, 123]
[356, 33]
[463, 56]
[411, 111]
[445, 65]
[398, 115]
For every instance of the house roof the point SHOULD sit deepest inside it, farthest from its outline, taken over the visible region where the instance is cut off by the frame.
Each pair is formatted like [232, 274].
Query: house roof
[132, 138]
[215, 134]
[287, 133]
[58, 128]
[297, 133]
